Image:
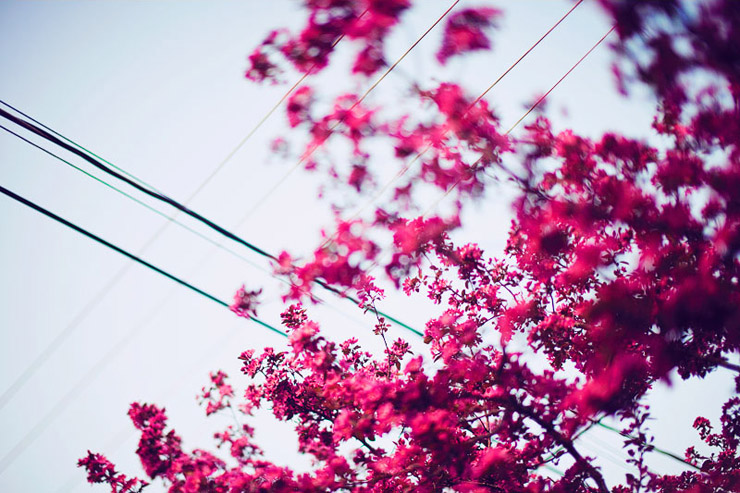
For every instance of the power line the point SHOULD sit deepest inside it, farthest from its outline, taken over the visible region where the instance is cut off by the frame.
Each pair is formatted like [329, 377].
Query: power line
[87, 309]
[156, 195]
[55, 344]
[172, 218]
[531, 108]
[137, 183]
[659, 450]
[495, 83]
[7, 395]
[44, 423]
[315, 146]
[161, 197]
[542, 98]
[126, 253]
[419, 154]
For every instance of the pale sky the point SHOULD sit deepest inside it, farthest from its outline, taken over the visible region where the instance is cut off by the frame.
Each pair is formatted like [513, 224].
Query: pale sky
[157, 88]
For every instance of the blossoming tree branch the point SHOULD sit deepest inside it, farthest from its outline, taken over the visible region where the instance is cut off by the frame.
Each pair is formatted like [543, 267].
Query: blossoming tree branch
[621, 268]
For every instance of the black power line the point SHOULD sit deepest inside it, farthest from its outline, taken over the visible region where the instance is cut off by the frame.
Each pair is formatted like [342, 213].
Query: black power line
[125, 253]
[122, 175]
[159, 196]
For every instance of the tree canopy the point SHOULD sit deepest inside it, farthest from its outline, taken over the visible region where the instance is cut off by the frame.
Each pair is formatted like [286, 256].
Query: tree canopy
[621, 266]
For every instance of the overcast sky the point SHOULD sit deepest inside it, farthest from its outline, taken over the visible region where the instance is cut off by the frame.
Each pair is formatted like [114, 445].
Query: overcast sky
[157, 88]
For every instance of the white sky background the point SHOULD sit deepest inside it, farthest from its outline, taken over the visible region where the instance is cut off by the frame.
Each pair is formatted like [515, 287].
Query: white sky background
[158, 89]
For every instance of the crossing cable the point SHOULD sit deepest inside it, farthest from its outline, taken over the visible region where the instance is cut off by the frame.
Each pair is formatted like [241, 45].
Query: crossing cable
[443, 196]
[654, 448]
[531, 108]
[172, 218]
[181, 207]
[57, 341]
[8, 394]
[419, 154]
[315, 146]
[225, 160]
[43, 424]
[128, 254]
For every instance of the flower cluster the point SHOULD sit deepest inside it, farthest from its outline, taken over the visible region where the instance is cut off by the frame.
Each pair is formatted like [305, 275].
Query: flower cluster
[367, 22]
[622, 264]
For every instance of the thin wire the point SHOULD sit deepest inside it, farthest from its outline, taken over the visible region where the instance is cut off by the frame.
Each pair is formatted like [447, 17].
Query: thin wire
[606, 452]
[123, 171]
[126, 253]
[542, 98]
[125, 432]
[57, 341]
[659, 450]
[44, 423]
[223, 231]
[266, 117]
[526, 53]
[315, 146]
[531, 108]
[419, 154]
[177, 205]
[140, 202]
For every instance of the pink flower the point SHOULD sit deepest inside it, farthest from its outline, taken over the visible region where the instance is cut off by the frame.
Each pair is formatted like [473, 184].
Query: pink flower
[245, 302]
[465, 31]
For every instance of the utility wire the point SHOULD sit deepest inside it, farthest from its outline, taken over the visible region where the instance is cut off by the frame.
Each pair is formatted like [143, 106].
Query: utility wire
[104, 361]
[57, 341]
[45, 422]
[10, 392]
[495, 83]
[542, 98]
[141, 203]
[315, 146]
[659, 450]
[137, 183]
[531, 108]
[128, 254]
[177, 205]
[419, 154]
